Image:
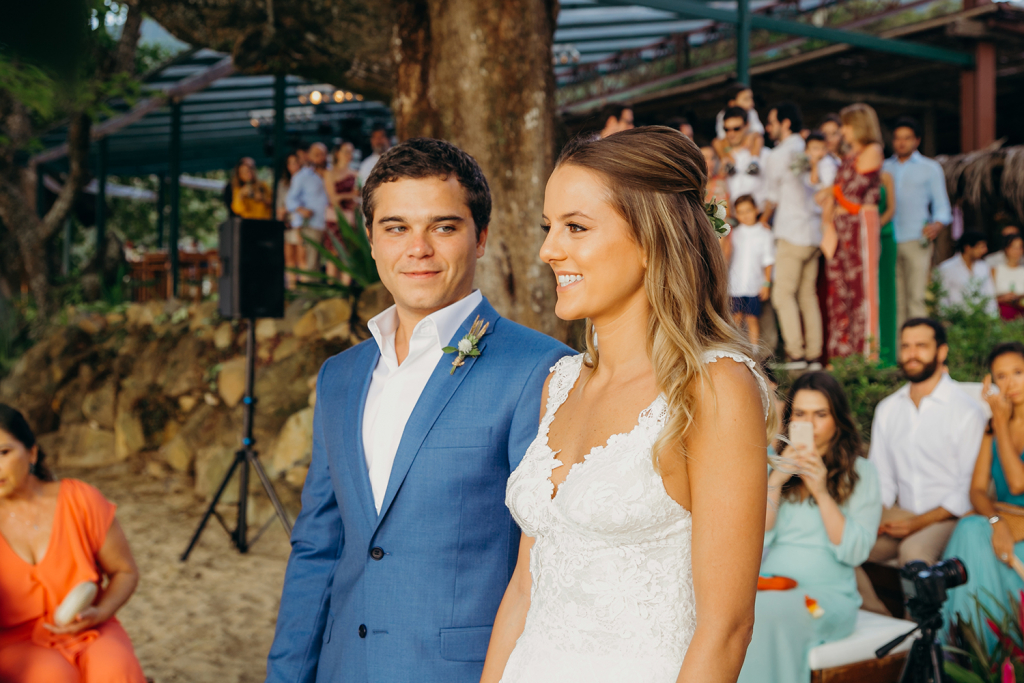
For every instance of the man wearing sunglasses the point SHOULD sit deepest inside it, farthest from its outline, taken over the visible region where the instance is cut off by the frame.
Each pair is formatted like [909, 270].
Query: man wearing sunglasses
[745, 171]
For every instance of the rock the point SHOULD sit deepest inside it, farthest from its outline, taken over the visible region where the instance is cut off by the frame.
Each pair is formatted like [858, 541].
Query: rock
[266, 329]
[294, 443]
[287, 347]
[212, 464]
[231, 381]
[210, 400]
[115, 318]
[99, 404]
[202, 315]
[374, 299]
[177, 453]
[297, 476]
[182, 370]
[340, 331]
[223, 337]
[92, 324]
[156, 469]
[129, 437]
[322, 317]
[82, 446]
[187, 403]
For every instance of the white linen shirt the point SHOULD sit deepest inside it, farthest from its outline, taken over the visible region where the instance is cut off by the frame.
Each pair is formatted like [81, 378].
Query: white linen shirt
[753, 250]
[395, 389]
[925, 456]
[795, 220]
[741, 182]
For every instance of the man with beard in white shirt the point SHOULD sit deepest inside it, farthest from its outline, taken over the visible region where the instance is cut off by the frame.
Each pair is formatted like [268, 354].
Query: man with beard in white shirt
[924, 442]
[746, 171]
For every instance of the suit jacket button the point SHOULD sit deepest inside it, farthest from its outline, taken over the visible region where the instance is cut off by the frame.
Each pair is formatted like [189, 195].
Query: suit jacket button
[377, 553]
[362, 630]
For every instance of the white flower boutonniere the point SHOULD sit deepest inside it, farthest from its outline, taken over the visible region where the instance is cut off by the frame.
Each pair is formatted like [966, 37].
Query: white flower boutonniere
[800, 164]
[716, 211]
[467, 345]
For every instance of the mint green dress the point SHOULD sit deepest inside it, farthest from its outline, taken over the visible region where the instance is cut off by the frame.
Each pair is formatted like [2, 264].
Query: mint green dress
[972, 543]
[799, 548]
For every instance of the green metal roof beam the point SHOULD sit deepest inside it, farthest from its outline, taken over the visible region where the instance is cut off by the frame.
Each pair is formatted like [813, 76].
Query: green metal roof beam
[698, 10]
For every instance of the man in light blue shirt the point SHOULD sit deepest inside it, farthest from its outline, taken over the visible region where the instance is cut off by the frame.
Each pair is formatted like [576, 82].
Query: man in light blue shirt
[922, 209]
[307, 201]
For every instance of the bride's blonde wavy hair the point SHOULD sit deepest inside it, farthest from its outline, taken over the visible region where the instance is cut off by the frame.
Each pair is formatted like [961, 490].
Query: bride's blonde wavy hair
[656, 180]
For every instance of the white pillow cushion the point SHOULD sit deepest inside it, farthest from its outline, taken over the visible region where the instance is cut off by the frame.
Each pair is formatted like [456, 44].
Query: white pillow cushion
[871, 632]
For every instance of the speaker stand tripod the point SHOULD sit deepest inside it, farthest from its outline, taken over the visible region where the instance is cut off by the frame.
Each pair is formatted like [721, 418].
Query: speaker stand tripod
[244, 458]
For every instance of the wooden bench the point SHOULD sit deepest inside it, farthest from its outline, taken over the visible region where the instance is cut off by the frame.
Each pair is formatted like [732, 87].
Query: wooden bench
[852, 659]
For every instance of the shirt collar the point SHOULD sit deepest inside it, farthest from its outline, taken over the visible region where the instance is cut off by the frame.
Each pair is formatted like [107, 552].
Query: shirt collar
[794, 140]
[437, 329]
[915, 156]
[939, 394]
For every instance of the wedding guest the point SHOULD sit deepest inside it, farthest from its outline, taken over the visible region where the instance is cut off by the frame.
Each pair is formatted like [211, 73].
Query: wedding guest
[291, 167]
[990, 541]
[789, 208]
[966, 276]
[996, 258]
[922, 211]
[250, 196]
[744, 169]
[340, 182]
[617, 118]
[831, 128]
[740, 97]
[1008, 278]
[682, 124]
[821, 521]
[924, 443]
[55, 535]
[307, 202]
[379, 143]
[750, 271]
[843, 240]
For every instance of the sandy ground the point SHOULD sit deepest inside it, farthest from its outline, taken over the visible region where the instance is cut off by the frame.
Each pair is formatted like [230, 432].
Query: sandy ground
[211, 619]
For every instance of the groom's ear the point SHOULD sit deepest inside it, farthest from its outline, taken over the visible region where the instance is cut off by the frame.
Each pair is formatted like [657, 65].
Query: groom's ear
[481, 242]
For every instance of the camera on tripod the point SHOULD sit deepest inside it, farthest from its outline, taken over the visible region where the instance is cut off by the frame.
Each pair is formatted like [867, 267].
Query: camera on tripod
[925, 587]
[924, 590]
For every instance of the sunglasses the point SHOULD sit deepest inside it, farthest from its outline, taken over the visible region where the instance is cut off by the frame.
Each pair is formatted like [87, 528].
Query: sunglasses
[734, 130]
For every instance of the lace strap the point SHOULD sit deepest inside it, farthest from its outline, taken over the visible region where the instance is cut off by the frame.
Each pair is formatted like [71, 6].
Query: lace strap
[714, 354]
[565, 373]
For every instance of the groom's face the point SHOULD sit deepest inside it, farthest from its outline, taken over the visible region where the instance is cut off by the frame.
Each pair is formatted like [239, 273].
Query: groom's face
[424, 241]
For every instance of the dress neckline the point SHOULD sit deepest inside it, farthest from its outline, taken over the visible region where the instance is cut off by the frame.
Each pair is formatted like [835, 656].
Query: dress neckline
[53, 532]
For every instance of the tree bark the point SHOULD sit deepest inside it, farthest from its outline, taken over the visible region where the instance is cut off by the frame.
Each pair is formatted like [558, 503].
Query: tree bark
[478, 74]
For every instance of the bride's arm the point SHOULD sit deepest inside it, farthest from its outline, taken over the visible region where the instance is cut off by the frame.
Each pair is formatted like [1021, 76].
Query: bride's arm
[725, 465]
[511, 618]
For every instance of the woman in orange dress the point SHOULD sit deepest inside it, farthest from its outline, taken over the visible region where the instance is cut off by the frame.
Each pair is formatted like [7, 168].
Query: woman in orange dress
[55, 535]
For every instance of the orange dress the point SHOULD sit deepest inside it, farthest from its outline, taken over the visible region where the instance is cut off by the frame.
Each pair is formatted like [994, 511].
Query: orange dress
[30, 594]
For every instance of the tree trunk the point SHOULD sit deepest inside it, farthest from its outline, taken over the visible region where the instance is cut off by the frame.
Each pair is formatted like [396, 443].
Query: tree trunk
[478, 73]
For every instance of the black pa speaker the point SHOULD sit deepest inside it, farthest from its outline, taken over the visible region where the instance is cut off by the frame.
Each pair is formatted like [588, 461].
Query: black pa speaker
[252, 268]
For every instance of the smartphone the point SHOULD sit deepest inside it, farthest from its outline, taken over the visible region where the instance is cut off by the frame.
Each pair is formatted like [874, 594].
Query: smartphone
[802, 434]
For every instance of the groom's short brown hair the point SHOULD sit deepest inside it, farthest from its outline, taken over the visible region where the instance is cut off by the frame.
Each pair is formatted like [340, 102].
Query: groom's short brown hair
[429, 158]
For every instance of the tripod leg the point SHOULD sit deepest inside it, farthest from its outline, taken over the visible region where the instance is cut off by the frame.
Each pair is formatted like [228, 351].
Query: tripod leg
[242, 526]
[239, 457]
[269, 488]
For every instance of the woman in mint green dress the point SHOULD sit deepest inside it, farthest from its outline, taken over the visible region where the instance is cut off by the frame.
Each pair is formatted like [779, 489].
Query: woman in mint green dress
[983, 541]
[821, 522]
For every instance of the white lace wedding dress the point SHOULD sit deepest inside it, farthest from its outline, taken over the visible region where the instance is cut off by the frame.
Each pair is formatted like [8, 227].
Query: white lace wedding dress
[612, 598]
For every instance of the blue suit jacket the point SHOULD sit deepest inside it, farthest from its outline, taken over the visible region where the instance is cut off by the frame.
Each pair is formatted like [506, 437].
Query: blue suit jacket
[411, 594]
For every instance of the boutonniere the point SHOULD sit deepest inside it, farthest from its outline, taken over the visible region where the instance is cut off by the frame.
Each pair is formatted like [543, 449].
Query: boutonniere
[467, 345]
[716, 211]
[800, 164]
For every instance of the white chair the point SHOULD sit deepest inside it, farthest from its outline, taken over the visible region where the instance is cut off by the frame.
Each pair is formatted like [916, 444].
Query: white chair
[853, 658]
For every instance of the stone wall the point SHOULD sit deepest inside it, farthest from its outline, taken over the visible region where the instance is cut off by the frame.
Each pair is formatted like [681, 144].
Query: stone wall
[162, 384]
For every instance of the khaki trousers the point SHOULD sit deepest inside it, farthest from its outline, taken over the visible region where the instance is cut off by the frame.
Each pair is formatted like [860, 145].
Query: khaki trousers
[925, 545]
[795, 295]
[913, 266]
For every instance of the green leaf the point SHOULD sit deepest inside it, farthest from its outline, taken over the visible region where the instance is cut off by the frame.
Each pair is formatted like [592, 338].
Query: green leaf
[450, 349]
[474, 353]
[962, 675]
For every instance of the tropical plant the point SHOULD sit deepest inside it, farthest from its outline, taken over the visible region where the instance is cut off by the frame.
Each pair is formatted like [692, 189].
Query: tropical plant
[866, 382]
[351, 256]
[976, 659]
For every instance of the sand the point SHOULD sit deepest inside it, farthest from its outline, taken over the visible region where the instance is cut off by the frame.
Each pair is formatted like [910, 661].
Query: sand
[208, 620]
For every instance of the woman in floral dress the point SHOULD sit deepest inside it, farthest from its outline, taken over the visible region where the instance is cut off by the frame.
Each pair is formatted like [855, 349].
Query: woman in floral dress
[848, 240]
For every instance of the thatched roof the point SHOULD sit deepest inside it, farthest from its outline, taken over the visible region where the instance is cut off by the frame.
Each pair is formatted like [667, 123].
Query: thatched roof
[988, 183]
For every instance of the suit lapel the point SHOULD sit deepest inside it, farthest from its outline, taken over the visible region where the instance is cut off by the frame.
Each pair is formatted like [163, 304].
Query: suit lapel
[439, 390]
[355, 458]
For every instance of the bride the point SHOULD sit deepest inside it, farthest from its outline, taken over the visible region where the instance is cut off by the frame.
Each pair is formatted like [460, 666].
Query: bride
[642, 498]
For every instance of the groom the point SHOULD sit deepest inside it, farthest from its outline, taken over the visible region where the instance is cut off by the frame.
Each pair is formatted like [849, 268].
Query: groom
[404, 546]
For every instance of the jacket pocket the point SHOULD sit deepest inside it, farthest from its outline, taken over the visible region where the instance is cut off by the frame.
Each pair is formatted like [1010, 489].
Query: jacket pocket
[465, 644]
[463, 437]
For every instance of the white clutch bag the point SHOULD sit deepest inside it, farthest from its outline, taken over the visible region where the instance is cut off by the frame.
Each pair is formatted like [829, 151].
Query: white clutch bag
[80, 597]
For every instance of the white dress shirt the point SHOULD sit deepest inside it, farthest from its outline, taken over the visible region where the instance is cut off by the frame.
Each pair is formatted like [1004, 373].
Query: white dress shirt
[753, 250]
[1009, 280]
[925, 456]
[395, 389]
[366, 167]
[795, 220]
[957, 281]
[741, 182]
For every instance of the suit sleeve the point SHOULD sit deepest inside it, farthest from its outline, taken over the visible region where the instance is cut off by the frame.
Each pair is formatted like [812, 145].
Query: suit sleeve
[526, 418]
[317, 541]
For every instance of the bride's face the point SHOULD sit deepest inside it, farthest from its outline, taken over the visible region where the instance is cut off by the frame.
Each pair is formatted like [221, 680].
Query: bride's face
[590, 248]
